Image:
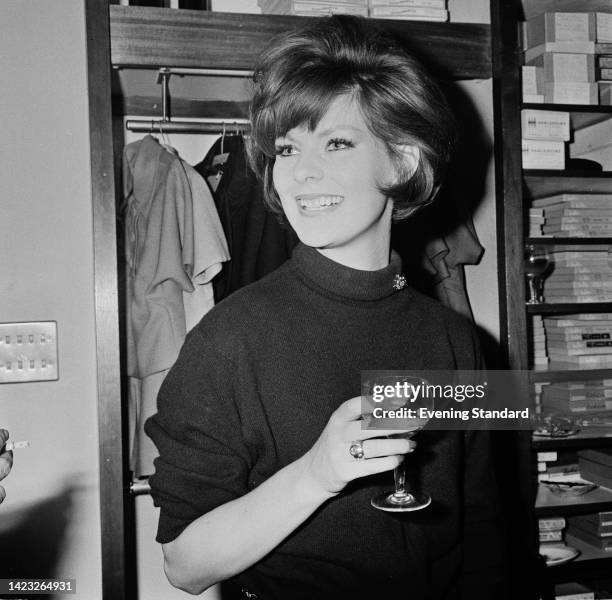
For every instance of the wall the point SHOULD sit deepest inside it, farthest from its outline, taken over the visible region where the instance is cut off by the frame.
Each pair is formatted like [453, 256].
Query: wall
[49, 522]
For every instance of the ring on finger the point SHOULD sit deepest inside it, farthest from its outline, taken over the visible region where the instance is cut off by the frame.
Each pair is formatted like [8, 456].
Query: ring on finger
[356, 450]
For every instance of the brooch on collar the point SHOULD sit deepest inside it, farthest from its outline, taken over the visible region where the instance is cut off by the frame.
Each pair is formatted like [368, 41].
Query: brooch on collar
[399, 282]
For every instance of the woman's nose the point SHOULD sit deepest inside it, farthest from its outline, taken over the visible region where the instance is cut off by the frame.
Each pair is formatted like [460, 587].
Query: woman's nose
[308, 166]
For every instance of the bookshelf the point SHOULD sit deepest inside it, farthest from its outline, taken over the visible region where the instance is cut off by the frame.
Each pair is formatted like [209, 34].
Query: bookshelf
[516, 188]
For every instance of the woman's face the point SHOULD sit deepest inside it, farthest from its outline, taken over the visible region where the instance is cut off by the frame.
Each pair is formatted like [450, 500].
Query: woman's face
[328, 179]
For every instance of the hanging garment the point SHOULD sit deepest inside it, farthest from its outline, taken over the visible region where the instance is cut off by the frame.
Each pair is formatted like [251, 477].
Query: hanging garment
[174, 246]
[445, 258]
[258, 243]
[435, 245]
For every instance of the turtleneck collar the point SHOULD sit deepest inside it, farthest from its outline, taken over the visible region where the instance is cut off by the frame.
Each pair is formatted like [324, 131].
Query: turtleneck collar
[347, 282]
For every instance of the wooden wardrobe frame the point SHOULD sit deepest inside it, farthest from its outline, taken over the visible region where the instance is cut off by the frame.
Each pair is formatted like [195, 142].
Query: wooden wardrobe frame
[154, 37]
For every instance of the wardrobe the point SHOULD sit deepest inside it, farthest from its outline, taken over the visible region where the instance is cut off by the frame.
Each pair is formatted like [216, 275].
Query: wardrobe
[122, 37]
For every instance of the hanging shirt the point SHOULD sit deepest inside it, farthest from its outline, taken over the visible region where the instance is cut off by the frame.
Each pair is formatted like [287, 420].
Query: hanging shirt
[174, 246]
[258, 242]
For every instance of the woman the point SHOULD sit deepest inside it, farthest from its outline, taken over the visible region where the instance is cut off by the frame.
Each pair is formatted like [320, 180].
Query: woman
[255, 480]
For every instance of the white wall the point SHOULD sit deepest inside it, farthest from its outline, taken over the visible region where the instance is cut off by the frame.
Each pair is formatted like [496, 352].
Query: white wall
[46, 274]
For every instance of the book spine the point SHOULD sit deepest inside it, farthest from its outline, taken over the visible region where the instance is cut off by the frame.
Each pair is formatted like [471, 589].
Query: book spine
[571, 92]
[566, 66]
[543, 154]
[545, 125]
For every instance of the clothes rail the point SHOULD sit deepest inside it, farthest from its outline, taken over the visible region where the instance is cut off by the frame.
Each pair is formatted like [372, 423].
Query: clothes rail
[167, 125]
[202, 126]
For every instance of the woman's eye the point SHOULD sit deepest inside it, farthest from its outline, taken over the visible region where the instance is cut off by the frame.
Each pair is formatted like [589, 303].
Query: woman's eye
[285, 150]
[339, 144]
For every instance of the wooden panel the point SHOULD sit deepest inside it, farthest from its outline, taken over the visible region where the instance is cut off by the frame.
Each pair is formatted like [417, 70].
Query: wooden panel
[150, 106]
[190, 38]
[573, 308]
[570, 375]
[507, 133]
[539, 184]
[113, 477]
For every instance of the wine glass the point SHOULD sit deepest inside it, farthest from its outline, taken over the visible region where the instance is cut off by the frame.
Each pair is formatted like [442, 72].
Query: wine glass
[402, 397]
[536, 263]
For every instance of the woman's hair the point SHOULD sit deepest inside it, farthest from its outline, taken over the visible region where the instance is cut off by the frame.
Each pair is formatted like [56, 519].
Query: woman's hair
[302, 72]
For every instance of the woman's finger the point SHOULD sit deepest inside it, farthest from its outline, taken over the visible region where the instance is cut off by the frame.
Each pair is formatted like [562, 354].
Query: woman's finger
[379, 465]
[386, 447]
[349, 410]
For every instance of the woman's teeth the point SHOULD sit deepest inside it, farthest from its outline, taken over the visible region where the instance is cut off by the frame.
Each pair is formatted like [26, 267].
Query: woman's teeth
[319, 202]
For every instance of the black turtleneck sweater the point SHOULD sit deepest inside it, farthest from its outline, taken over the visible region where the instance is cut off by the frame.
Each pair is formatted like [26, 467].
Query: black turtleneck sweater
[254, 386]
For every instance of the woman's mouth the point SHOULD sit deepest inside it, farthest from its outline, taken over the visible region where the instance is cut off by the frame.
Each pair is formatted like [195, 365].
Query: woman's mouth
[317, 203]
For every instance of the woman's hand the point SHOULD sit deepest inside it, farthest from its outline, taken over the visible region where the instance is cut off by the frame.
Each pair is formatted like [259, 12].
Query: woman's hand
[6, 460]
[329, 462]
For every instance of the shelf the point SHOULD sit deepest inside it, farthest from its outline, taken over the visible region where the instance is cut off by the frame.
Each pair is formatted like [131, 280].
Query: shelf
[163, 37]
[581, 115]
[599, 437]
[568, 308]
[538, 184]
[573, 241]
[550, 505]
[592, 562]
[569, 375]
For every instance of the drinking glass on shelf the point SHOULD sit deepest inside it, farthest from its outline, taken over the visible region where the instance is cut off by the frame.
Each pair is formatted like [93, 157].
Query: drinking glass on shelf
[536, 263]
[401, 499]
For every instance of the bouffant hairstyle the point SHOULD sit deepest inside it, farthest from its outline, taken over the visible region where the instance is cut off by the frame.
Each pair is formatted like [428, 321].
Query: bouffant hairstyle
[302, 72]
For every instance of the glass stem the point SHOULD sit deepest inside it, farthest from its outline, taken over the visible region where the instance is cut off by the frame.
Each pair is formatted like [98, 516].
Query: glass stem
[533, 291]
[399, 473]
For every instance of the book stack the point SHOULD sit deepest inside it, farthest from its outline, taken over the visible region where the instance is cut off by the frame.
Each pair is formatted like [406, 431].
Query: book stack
[576, 215]
[544, 133]
[578, 398]
[538, 341]
[536, 222]
[594, 142]
[562, 47]
[413, 10]
[595, 465]
[582, 341]
[551, 531]
[560, 473]
[573, 590]
[580, 274]
[314, 8]
[594, 529]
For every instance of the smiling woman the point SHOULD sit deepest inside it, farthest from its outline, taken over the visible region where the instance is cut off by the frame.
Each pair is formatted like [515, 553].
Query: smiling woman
[329, 183]
[265, 473]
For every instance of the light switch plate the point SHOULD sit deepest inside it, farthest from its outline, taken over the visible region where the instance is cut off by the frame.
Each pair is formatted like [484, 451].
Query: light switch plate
[28, 352]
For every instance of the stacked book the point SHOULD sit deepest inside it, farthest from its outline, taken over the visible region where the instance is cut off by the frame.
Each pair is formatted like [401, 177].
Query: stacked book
[594, 529]
[538, 341]
[575, 215]
[314, 8]
[594, 142]
[595, 465]
[578, 398]
[536, 222]
[551, 531]
[559, 473]
[560, 50]
[580, 274]
[580, 342]
[413, 10]
[544, 133]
